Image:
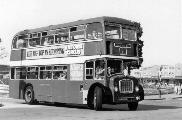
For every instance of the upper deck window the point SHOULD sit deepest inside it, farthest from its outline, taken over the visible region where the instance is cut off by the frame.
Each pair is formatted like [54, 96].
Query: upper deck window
[94, 31]
[77, 32]
[36, 35]
[35, 39]
[113, 31]
[34, 42]
[44, 33]
[117, 31]
[48, 37]
[62, 35]
[47, 40]
[20, 42]
[129, 34]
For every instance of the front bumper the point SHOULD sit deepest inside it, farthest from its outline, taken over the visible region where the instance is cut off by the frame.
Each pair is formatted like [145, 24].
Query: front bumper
[122, 99]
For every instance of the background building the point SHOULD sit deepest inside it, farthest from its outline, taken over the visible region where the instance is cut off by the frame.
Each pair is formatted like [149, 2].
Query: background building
[178, 73]
[166, 74]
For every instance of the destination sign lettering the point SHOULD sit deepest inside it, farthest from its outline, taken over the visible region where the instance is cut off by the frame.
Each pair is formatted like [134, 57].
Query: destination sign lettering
[122, 48]
[55, 51]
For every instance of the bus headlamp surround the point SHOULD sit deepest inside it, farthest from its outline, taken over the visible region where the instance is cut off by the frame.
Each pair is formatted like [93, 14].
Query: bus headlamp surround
[136, 88]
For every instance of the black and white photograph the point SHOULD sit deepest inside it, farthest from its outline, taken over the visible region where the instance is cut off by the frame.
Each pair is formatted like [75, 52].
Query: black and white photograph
[90, 59]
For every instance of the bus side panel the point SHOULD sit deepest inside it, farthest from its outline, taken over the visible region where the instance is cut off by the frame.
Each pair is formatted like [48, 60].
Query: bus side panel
[73, 92]
[17, 55]
[46, 90]
[16, 89]
[74, 84]
[42, 89]
[58, 90]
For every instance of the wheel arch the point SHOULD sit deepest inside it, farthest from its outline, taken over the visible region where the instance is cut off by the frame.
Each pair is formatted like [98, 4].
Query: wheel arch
[107, 94]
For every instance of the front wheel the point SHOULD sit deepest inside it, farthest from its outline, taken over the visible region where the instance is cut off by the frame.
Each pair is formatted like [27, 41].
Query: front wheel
[29, 95]
[133, 106]
[97, 98]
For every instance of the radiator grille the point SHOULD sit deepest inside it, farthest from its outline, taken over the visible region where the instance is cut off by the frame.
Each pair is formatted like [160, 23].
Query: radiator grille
[126, 86]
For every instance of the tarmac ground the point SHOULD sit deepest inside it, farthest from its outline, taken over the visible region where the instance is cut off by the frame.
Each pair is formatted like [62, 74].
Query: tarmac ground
[154, 107]
[6, 102]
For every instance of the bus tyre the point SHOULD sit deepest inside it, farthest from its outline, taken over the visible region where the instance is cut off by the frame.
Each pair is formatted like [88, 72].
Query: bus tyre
[133, 106]
[89, 104]
[29, 95]
[97, 99]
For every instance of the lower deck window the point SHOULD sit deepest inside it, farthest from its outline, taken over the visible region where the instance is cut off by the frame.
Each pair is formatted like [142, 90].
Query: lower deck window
[32, 73]
[99, 69]
[21, 73]
[46, 72]
[57, 72]
[89, 70]
[60, 72]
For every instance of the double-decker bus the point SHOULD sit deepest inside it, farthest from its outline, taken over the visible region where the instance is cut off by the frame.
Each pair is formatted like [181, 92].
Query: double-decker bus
[83, 62]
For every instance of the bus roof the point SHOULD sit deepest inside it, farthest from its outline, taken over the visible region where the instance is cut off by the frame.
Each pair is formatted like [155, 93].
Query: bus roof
[80, 22]
[67, 60]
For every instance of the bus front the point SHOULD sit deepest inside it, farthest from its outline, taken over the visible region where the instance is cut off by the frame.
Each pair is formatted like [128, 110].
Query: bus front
[123, 39]
[125, 88]
[124, 53]
[112, 82]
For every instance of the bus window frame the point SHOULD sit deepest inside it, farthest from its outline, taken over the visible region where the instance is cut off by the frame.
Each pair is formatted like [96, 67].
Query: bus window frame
[94, 68]
[49, 33]
[104, 68]
[97, 39]
[62, 70]
[45, 70]
[80, 30]
[20, 72]
[121, 66]
[128, 28]
[15, 40]
[113, 25]
[13, 72]
[37, 36]
[93, 71]
[38, 72]
[13, 46]
[36, 45]
[58, 33]
[48, 39]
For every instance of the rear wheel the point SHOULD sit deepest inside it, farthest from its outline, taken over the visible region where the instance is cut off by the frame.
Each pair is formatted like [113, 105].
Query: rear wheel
[133, 106]
[97, 100]
[29, 95]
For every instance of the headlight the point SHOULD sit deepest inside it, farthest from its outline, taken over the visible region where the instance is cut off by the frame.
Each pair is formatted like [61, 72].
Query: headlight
[116, 89]
[136, 88]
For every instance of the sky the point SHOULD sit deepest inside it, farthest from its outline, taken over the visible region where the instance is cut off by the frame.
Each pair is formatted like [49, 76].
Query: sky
[160, 19]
